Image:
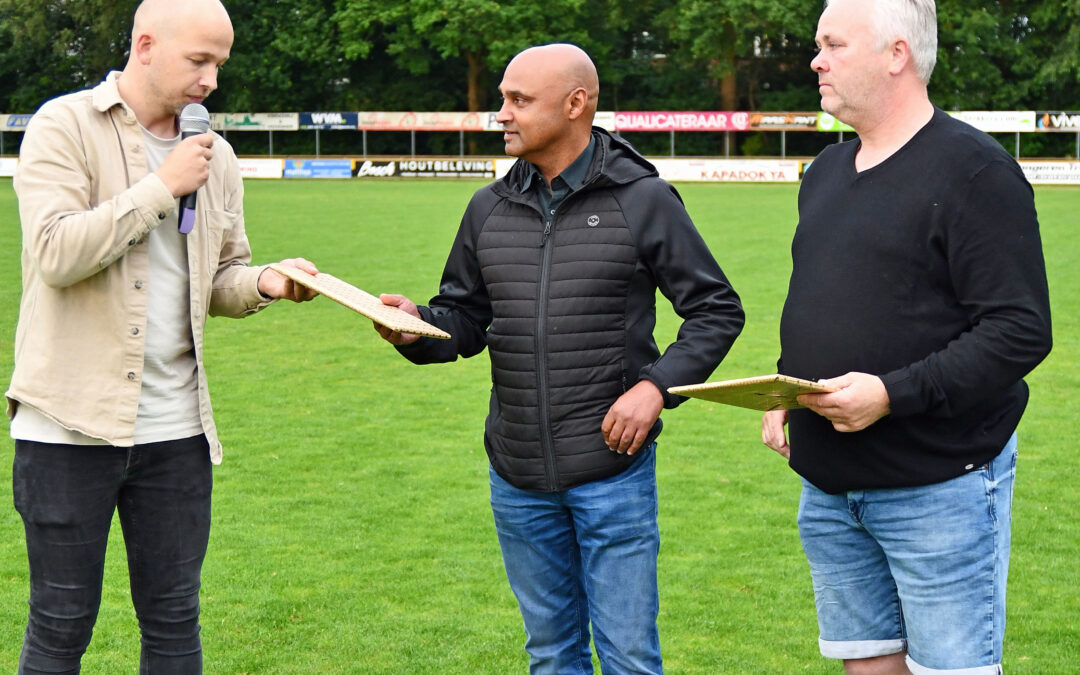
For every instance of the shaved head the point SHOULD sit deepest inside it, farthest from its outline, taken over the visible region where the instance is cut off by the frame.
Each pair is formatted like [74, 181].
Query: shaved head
[177, 47]
[160, 18]
[549, 102]
[563, 64]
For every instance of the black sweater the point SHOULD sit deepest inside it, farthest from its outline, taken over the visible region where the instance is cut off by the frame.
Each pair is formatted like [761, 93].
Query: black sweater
[927, 271]
[566, 306]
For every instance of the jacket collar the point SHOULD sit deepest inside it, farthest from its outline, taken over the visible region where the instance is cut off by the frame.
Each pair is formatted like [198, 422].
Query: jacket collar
[106, 95]
[574, 175]
[614, 162]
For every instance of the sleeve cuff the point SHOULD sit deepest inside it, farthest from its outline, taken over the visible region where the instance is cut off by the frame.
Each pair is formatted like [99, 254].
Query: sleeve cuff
[903, 394]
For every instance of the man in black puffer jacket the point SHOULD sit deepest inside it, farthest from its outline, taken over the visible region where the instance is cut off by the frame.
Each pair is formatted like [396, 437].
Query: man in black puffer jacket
[555, 270]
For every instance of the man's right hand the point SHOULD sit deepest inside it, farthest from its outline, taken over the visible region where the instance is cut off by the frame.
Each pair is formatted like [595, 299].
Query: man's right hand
[187, 167]
[772, 432]
[405, 305]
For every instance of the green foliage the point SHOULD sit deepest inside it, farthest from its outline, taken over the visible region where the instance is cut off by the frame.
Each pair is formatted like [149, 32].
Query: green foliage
[449, 54]
[1007, 55]
[351, 527]
[49, 47]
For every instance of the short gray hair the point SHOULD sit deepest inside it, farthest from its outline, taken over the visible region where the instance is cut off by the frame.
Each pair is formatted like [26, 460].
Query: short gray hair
[913, 20]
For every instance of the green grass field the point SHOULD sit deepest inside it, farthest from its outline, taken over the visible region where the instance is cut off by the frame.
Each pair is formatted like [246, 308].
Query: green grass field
[351, 527]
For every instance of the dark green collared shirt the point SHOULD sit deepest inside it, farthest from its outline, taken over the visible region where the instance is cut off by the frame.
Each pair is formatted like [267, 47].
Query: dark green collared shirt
[567, 182]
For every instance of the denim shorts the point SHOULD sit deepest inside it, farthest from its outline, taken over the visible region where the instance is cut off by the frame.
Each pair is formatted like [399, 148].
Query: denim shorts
[919, 569]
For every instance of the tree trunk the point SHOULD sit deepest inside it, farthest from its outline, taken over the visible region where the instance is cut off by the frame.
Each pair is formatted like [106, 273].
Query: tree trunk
[477, 89]
[728, 91]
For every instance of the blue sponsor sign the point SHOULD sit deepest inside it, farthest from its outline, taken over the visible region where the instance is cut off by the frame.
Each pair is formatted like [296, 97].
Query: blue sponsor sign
[328, 120]
[318, 168]
[16, 122]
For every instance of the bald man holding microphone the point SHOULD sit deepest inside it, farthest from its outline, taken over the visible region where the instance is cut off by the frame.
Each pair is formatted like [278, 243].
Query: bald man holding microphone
[108, 398]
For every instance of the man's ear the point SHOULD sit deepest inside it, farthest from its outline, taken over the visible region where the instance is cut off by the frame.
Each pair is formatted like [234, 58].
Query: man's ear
[576, 103]
[141, 46]
[899, 57]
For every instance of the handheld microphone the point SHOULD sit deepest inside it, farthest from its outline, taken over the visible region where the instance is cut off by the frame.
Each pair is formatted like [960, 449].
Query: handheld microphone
[194, 120]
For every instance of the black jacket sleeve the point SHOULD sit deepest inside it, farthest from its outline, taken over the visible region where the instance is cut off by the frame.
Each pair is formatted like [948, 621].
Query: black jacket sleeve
[688, 275]
[462, 307]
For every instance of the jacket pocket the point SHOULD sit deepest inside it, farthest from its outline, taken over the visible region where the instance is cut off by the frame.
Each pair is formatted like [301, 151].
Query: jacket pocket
[219, 225]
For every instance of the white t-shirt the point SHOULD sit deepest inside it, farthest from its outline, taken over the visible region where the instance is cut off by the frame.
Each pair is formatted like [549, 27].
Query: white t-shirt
[169, 398]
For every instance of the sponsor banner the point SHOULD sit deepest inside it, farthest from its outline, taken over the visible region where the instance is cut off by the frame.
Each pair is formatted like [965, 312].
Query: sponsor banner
[328, 120]
[784, 121]
[1051, 173]
[682, 121]
[1057, 120]
[408, 167]
[603, 119]
[260, 168]
[318, 168]
[728, 170]
[991, 121]
[14, 122]
[503, 165]
[376, 169]
[422, 121]
[826, 122]
[447, 168]
[7, 166]
[255, 121]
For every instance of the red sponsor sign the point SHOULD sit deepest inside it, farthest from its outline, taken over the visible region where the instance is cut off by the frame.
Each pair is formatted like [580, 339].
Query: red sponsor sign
[682, 121]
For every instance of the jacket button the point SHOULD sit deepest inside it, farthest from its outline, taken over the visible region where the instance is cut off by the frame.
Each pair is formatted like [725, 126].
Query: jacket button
[131, 242]
[131, 376]
[134, 331]
[161, 215]
[138, 283]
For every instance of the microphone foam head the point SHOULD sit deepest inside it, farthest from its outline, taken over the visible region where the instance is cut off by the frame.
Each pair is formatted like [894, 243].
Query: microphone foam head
[194, 118]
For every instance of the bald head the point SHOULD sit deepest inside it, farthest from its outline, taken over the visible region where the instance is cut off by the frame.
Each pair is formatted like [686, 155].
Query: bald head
[161, 18]
[564, 66]
[176, 50]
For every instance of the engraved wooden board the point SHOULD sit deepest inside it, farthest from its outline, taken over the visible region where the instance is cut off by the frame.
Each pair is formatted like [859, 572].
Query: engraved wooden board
[361, 302]
[765, 392]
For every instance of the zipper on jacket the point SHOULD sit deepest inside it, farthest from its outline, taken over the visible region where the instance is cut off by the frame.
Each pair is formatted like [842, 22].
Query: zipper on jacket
[547, 441]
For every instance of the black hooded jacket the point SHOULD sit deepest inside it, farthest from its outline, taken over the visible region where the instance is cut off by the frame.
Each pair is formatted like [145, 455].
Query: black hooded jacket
[565, 305]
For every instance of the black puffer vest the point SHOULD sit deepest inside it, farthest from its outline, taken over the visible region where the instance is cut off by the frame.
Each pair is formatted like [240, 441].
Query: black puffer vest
[566, 306]
[558, 337]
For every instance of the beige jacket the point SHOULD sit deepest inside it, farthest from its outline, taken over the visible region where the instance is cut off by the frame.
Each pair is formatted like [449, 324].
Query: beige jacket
[87, 203]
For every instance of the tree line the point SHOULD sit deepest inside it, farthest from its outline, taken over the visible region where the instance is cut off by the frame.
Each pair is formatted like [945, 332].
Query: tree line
[421, 55]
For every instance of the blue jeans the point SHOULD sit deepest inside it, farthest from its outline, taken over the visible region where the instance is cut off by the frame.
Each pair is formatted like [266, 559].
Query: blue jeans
[66, 495]
[585, 555]
[919, 569]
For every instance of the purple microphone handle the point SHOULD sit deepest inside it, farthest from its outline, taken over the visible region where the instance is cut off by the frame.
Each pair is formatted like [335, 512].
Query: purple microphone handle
[187, 220]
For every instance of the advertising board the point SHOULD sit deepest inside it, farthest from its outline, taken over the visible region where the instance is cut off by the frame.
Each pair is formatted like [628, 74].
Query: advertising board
[728, 170]
[328, 120]
[260, 168]
[318, 168]
[682, 121]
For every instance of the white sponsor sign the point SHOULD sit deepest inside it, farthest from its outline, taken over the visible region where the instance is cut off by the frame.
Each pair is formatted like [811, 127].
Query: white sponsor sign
[1051, 173]
[728, 170]
[708, 170]
[991, 121]
[285, 121]
[1058, 120]
[502, 166]
[603, 119]
[261, 168]
[7, 166]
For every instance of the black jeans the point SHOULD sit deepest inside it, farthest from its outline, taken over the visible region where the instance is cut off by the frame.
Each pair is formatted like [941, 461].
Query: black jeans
[66, 495]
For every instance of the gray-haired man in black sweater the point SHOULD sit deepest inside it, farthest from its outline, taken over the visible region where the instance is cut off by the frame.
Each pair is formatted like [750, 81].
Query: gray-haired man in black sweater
[918, 289]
